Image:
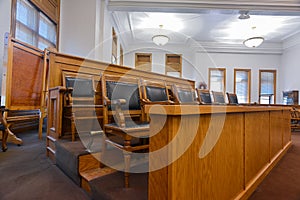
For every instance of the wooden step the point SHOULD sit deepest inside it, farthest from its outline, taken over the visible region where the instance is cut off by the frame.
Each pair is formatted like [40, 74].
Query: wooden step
[88, 175]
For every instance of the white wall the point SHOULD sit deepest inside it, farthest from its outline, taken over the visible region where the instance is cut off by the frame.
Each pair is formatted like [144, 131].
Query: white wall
[85, 29]
[195, 65]
[158, 58]
[77, 27]
[255, 62]
[5, 13]
[290, 66]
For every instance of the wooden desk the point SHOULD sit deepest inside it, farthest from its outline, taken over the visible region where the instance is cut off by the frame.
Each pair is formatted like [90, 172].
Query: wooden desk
[226, 150]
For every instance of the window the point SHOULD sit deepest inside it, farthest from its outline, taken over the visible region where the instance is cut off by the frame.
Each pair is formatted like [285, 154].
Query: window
[217, 79]
[121, 55]
[242, 82]
[33, 27]
[173, 65]
[114, 47]
[267, 86]
[143, 61]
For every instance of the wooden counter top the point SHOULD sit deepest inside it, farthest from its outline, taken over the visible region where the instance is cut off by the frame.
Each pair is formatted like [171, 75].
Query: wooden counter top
[207, 109]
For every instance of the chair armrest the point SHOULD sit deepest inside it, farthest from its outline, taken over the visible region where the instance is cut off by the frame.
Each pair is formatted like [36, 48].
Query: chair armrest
[61, 89]
[118, 102]
[119, 115]
[148, 102]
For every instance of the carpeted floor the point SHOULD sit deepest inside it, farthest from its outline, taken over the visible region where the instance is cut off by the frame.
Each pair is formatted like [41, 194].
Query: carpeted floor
[283, 182]
[26, 173]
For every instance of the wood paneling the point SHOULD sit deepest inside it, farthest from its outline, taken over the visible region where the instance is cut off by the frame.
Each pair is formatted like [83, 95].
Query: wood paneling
[230, 154]
[62, 62]
[257, 145]
[276, 133]
[50, 7]
[24, 77]
[286, 125]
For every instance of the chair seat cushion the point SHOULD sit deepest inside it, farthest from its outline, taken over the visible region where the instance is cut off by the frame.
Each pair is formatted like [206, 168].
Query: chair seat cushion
[140, 128]
[130, 126]
[120, 140]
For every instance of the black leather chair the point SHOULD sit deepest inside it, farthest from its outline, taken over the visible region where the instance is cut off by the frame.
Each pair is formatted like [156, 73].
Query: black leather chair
[154, 92]
[218, 97]
[232, 98]
[184, 95]
[124, 127]
[81, 103]
[204, 96]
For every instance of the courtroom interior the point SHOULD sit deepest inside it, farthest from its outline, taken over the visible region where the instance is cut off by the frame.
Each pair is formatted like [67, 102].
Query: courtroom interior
[158, 100]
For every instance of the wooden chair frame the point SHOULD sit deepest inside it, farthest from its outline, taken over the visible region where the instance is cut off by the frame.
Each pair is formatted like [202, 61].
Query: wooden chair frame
[73, 104]
[115, 120]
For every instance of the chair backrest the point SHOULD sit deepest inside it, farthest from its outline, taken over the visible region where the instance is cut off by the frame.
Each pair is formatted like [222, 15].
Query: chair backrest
[155, 91]
[218, 97]
[80, 88]
[204, 96]
[184, 94]
[232, 98]
[121, 87]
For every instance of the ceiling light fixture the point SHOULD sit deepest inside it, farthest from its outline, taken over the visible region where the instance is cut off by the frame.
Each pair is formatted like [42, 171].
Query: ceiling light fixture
[244, 14]
[253, 42]
[160, 39]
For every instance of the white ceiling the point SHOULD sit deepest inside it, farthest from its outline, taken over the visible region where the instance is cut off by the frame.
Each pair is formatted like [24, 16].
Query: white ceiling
[207, 26]
[205, 21]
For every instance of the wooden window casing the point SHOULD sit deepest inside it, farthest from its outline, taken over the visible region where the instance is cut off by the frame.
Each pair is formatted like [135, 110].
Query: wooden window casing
[143, 61]
[217, 79]
[173, 65]
[242, 84]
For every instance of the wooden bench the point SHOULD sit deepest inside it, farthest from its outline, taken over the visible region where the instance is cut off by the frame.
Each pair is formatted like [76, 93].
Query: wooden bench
[61, 64]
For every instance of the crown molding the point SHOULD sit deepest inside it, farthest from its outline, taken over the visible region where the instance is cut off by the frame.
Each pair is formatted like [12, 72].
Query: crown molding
[217, 47]
[195, 5]
[209, 47]
[291, 41]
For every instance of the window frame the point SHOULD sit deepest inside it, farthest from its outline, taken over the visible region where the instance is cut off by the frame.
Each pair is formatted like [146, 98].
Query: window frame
[223, 80]
[121, 56]
[36, 32]
[139, 65]
[274, 82]
[171, 66]
[248, 84]
[114, 47]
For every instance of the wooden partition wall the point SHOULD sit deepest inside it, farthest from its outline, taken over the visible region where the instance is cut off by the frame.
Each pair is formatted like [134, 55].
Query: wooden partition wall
[232, 149]
[23, 84]
[60, 64]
